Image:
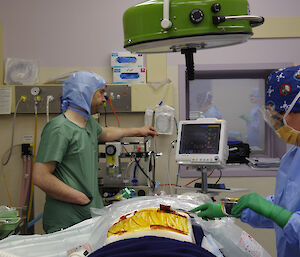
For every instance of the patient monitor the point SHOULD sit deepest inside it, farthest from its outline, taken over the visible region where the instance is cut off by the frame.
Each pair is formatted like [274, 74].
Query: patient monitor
[202, 143]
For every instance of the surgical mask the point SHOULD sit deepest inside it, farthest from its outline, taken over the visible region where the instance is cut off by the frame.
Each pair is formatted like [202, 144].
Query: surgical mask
[286, 132]
[289, 135]
[277, 121]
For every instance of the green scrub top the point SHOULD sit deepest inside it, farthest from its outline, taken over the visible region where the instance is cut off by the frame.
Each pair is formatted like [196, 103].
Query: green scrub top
[75, 150]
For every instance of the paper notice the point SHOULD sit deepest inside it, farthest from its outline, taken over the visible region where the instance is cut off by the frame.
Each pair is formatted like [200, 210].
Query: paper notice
[5, 99]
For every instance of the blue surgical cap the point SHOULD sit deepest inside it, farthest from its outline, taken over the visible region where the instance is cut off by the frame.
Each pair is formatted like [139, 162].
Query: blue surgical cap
[282, 87]
[78, 91]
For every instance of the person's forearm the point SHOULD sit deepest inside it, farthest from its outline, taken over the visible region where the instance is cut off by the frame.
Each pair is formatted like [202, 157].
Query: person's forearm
[132, 132]
[55, 188]
[113, 133]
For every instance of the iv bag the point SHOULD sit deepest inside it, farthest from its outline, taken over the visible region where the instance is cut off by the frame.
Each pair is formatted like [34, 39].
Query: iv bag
[164, 119]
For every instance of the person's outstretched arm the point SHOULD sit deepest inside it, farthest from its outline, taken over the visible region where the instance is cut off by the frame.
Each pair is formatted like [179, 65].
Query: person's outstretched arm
[114, 133]
[263, 207]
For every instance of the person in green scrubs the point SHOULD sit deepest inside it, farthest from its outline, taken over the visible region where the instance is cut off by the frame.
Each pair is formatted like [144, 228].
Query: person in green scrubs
[66, 166]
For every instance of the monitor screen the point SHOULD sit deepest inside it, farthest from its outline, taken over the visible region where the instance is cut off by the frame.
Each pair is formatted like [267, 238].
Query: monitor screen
[200, 139]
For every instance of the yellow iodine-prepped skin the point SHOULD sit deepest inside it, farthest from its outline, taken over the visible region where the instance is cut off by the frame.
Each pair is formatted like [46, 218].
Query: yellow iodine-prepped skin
[149, 220]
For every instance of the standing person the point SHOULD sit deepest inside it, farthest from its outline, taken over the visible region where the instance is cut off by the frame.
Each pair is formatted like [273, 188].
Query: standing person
[253, 119]
[66, 167]
[280, 211]
[208, 108]
[201, 101]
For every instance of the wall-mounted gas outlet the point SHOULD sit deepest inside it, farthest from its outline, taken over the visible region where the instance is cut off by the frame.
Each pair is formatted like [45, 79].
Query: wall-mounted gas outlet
[35, 91]
[120, 96]
[31, 92]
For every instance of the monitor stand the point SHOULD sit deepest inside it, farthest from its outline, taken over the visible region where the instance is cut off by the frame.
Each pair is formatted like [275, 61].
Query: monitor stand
[203, 178]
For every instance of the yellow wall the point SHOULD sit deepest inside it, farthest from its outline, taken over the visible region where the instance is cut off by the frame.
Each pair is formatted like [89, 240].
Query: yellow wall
[278, 27]
[1, 56]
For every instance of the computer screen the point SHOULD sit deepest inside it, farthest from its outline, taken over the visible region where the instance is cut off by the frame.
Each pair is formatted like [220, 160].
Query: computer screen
[202, 142]
[200, 138]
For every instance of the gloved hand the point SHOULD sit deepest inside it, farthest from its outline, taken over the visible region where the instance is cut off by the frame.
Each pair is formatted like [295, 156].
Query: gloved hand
[263, 207]
[209, 210]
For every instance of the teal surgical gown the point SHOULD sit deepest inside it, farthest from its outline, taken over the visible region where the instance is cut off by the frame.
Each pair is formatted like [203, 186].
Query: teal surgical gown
[287, 195]
[75, 150]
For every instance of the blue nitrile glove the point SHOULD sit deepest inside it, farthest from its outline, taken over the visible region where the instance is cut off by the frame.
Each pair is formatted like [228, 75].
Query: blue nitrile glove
[209, 210]
[263, 207]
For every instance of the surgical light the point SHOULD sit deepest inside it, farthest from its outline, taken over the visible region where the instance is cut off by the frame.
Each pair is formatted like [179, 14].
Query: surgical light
[162, 26]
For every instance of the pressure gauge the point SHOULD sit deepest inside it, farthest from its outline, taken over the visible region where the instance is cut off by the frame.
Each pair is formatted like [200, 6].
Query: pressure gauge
[35, 91]
[110, 149]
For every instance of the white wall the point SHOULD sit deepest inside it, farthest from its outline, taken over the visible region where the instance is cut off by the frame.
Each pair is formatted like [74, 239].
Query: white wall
[83, 33]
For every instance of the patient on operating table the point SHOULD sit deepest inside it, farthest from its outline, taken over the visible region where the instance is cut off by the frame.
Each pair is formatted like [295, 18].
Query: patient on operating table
[154, 232]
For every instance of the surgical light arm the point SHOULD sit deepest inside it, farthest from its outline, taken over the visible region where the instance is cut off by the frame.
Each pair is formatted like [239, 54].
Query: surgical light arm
[166, 23]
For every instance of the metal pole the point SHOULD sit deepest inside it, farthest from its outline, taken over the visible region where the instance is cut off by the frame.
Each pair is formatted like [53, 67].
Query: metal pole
[204, 180]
